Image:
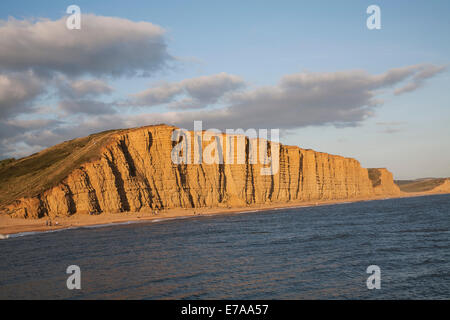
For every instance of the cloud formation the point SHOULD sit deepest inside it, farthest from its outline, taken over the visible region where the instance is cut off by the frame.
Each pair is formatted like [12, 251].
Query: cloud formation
[39, 55]
[303, 99]
[17, 90]
[103, 46]
[198, 92]
[298, 100]
[83, 88]
[418, 80]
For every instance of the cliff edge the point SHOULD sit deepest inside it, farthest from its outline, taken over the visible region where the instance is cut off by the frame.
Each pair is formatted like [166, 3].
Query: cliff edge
[132, 170]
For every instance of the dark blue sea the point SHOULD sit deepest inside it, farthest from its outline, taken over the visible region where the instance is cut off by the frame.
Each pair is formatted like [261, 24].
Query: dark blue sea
[319, 252]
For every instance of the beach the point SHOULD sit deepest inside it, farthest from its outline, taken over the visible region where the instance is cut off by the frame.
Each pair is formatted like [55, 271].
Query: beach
[10, 225]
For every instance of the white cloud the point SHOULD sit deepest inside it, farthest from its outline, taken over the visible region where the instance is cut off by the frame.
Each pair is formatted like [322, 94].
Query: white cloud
[17, 90]
[341, 99]
[302, 99]
[199, 92]
[103, 46]
[83, 88]
[418, 80]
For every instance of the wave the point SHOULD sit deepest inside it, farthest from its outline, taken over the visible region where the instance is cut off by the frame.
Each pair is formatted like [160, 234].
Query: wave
[94, 226]
[31, 233]
[103, 225]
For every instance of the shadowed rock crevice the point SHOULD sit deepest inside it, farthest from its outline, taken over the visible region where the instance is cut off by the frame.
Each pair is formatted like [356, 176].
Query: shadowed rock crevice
[71, 206]
[249, 180]
[300, 175]
[222, 182]
[42, 210]
[128, 158]
[94, 204]
[124, 204]
[150, 141]
[181, 178]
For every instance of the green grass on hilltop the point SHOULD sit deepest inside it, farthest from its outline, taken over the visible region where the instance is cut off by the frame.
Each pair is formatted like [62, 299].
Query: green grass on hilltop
[34, 174]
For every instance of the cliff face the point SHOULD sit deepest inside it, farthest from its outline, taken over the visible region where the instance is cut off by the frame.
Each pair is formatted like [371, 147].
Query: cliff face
[134, 172]
[383, 182]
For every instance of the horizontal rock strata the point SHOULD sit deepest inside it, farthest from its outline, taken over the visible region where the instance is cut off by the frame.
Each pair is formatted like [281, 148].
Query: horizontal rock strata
[134, 172]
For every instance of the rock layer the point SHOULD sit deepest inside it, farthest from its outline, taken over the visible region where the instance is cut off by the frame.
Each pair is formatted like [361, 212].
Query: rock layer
[134, 172]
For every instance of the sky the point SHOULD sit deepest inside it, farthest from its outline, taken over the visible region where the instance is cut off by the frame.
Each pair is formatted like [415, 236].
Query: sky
[309, 68]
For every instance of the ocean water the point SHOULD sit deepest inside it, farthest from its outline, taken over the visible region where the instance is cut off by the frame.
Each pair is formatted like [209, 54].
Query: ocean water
[319, 252]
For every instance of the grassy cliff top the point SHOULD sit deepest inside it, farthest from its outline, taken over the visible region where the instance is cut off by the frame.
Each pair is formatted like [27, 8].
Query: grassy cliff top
[33, 174]
[30, 176]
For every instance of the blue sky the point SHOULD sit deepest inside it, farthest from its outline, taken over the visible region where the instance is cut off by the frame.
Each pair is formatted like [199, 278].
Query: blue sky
[263, 41]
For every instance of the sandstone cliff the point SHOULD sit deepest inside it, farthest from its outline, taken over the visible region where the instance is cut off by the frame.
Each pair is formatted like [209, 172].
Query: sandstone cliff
[383, 182]
[132, 170]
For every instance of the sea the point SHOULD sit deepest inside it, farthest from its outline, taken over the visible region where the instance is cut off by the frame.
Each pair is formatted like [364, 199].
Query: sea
[317, 252]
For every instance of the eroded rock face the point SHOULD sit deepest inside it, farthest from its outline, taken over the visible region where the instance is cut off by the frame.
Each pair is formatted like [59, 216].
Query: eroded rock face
[136, 173]
[383, 182]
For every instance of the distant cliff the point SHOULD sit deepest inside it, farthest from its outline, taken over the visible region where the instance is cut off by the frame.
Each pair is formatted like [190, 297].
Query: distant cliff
[425, 185]
[132, 170]
[382, 182]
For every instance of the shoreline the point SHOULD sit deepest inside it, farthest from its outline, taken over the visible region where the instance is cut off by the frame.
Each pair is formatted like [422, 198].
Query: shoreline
[11, 226]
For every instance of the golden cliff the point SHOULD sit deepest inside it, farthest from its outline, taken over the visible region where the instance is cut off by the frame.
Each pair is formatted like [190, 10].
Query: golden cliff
[382, 182]
[132, 170]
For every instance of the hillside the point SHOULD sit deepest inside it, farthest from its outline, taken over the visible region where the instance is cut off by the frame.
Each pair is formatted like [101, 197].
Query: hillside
[423, 185]
[131, 170]
[30, 176]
